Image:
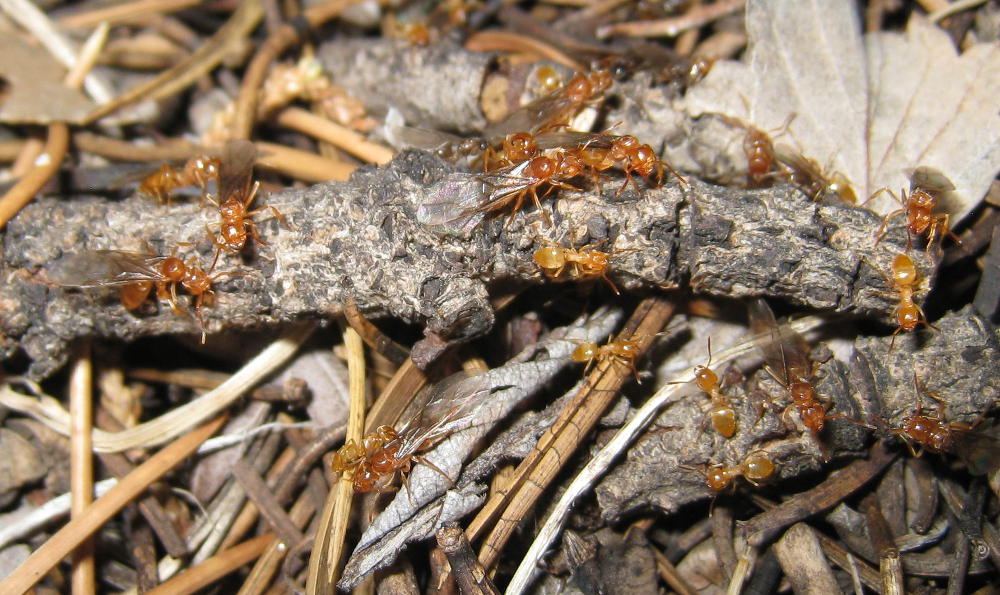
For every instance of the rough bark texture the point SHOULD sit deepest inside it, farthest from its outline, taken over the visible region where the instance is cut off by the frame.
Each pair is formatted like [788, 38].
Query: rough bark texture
[361, 239]
[958, 363]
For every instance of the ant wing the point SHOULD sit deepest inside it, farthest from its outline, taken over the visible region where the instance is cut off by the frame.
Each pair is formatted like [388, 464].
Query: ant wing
[529, 118]
[979, 449]
[930, 180]
[107, 268]
[785, 351]
[236, 169]
[452, 206]
[573, 140]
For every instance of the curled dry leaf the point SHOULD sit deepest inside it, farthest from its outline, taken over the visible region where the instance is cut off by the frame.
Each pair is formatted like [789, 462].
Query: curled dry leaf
[426, 500]
[872, 108]
[36, 93]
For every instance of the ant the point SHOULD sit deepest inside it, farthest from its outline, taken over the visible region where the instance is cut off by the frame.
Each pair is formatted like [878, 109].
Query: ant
[584, 263]
[904, 282]
[623, 351]
[755, 468]
[461, 202]
[516, 148]
[927, 187]
[787, 361]
[758, 147]
[196, 172]
[931, 433]
[237, 194]
[554, 110]
[374, 460]
[379, 455]
[811, 179]
[136, 274]
[721, 412]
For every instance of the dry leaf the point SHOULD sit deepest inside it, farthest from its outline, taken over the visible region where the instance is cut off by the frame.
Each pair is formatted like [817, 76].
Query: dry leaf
[36, 93]
[426, 500]
[872, 108]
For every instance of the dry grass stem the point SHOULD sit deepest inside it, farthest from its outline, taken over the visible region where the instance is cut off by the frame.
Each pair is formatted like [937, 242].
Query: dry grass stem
[339, 136]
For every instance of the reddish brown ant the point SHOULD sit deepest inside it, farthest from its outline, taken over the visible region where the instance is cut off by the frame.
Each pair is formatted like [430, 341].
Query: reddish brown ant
[786, 354]
[374, 461]
[459, 204]
[584, 263]
[927, 187]
[554, 110]
[811, 179]
[196, 172]
[136, 274]
[600, 152]
[931, 433]
[236, 194]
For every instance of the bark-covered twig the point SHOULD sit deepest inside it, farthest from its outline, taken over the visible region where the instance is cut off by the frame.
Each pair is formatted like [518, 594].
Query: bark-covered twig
[361, 239]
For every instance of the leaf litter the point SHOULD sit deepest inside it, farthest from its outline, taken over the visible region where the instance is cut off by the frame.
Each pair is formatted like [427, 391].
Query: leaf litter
[426, 499]
[872, 108]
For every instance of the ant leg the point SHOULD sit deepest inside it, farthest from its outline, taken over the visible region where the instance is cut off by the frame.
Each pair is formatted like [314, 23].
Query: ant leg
[610, 283]
[538, 205]
[885, 222]
[431, 465]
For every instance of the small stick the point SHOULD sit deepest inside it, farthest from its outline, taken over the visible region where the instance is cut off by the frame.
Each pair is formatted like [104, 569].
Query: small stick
[882, 542]
[81, 400]
[805, 504]
[56, 145]
[73, 533]
[267, 504]
[215, 567]
[339, 136]
[801, 557]
[305, 166]
[125, 11]
[470, 575]
[692, 19]
[508, 41]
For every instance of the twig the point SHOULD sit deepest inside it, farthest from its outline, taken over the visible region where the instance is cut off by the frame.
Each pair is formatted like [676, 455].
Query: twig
[552, 451]
[339, 136]
[79, 529]
[324, 563]
[46, 166]
[149, 507]
[803, 505]
[696, 17]
[258, 492]
[276, 43]
[270, 561]
[890, 566]
[801, 557]
[124, 12]
[81, 400]
[21, 526]
[301, 165]
[202, 61]
[670, 575]
[956, 7]
[508, 41]
[603, 459]
[177, 420]
[372, 336]
[170, 149]
[472, 579]
[213, 569]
